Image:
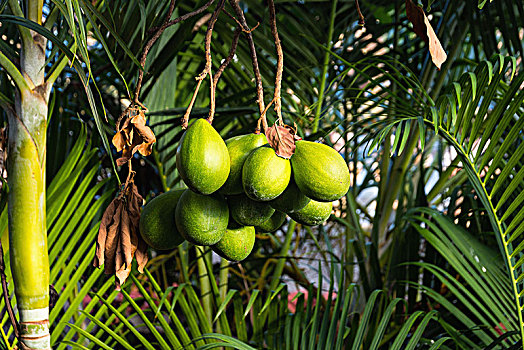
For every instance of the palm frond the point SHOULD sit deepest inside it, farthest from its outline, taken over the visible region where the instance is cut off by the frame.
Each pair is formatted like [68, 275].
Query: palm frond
[318, 322]
[480, 116]
[483, 289]
[484, 125]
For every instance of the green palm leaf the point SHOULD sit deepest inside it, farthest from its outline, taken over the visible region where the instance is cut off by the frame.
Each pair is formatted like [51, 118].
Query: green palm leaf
[487, 135]
[481, 117]
[484, 288]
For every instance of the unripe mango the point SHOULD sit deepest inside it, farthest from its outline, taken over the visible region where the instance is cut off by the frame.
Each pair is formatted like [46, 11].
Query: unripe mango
[319, 171]
[265, 175]
[273, 223]
[200, 219]
[314, 213]
[236, 244]
[157, 221]
[290, 200]
[239, 148]
[248, 212]
[202, 159]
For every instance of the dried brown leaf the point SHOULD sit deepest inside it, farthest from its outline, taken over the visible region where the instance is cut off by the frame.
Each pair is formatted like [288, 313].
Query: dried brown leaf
[139, 138]
[134, 240]
[128, 152]
[133, 135]
[141, 254]
[125, 239]
[145, 149]
[145, 133]
[119, 141]
[102, 233]
[424, 30]
[136, 201]
[119, 237]
[282, 140]
[112, 241]
[121, 269]
[139, 119]
[125, 125]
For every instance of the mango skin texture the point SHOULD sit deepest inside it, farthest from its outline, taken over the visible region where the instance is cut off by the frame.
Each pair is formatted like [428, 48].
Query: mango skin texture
[239, 148]
[265, 175]
[319, 171]
[202, 220]
[314, 213]
[248, 212]
[290, 200]
[157, 221]
[202, 159]
[236, 244]
[273, 223]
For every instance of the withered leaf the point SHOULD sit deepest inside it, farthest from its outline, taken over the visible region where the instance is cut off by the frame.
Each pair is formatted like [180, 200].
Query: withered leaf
[282, 140]
[425, 31]
[119, 238]
[125, 239]
[133, 135]
[102, 233]
[121, 270]
[139, 119]
[112, 241]
[141, 255]
[119, 141]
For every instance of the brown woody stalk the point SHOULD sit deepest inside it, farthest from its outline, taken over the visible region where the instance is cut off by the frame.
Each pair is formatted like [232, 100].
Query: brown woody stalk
[361, 20]
[240, 24]
[220, 70]
[280, 61]
[157, 32]
[207, 68]
[256, 70]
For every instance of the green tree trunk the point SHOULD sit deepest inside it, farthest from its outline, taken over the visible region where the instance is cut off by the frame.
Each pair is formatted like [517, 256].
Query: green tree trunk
[27, 198]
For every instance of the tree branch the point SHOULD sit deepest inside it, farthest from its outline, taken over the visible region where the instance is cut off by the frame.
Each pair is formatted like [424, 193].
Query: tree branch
[361, 20]
[280, 61]
[256, 70]
[220, 70]
[207, 68]
[158, 31]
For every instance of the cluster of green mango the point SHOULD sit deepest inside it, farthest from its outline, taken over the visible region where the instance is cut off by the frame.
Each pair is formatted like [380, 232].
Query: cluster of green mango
[241, 186]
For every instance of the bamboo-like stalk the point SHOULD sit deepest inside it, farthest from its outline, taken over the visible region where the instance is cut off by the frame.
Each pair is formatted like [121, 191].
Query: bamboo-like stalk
[27, 181]
[283, 253]
[206, 293]
[223, 278]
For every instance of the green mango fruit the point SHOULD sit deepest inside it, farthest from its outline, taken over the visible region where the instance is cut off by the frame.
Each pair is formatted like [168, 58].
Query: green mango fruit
[202, 159]
[236, 244]
[239, 148]
[319, 171]
[273, 223]
[290, 200]
[248, 212]
[265, 175]
[202, 220]
[157, 221]
[314, 213]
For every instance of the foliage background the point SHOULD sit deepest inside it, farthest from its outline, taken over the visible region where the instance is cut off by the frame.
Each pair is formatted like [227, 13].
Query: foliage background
[425, 234]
